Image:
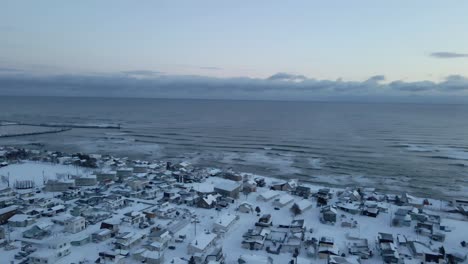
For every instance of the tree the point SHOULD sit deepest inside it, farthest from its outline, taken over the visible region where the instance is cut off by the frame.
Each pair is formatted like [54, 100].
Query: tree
[257, 209]
[192, 260]
[442, 251]
[296, 210]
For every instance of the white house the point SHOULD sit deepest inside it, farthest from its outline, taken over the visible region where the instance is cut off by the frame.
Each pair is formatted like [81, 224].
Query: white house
[267, 195]
[224, 222]
[201, 243]
[20, 220]
[283, 200]
[246, 207]
[51, 251]
[304, 205]
[75, 224]
[254, 259]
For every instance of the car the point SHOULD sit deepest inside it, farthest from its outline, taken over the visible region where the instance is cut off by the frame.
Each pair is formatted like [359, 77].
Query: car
[276, 208]
[171, 247]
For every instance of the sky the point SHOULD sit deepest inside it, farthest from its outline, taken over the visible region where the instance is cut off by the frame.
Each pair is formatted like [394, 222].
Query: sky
[242, 49]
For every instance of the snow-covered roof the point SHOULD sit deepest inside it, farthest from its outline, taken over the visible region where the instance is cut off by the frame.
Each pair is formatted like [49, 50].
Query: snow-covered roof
[269, 194]
[225, 220]
[285, 198]
[304, 204]
[254, 259]
[19, 218]
[8, 209]
[227, 185]
[202, 241]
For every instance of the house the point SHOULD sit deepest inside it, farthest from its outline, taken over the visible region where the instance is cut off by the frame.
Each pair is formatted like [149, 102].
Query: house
[201, 243]
[112, 226]
[232, 176]
[283, 200]
[6, 213]
[302, 191]
[385, 237]
[150, 257]
[75, 224]
[134, 217]
[360, 248]
[349, 207]
[328, 214]
[38, 231]
[332, 259]
[264, 220]
[389, 252]
[424, 252]
[80, 240]
[207, 202]
[101, 235]
[401, 218]
[246, 207]
[304, 205]
[123, 173]
[224, 222]
[162, 236]
[127, 240]
[215, 256]
[21, 220]
[50, 251]
[89, 180]
[249, 186]
[324, 252]
[371, 211]
[114, 257]
[254, 259]
[228, 189]
[54, 210]
[106, 176]
[59, 185]
[267, 195]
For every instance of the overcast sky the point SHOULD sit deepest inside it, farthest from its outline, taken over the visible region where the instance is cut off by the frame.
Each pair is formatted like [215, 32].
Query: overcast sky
[242, 49]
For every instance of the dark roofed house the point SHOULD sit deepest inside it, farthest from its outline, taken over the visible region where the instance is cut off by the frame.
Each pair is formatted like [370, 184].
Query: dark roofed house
[6, 213]
[328, 214]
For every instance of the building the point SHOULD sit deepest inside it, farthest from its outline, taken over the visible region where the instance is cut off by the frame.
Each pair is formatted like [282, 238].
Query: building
[283, 200]
[59, 185]
[201, 243]
[75, 224]
[50, 252]
[268, 195]
[106, 176]
[246, 207]
[127, 240]
[89, 180]
[328, 214]
[228, 189]
[6, 213]
[304, 205]
[224, 222]
[21, 220]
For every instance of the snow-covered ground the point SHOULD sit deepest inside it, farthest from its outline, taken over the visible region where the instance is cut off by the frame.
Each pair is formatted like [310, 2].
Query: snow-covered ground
[39, 172]
[367, 227]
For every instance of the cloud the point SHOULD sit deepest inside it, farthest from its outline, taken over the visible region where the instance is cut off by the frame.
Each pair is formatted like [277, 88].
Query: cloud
[282, 76]
[210, 68]
[376, 78]
[142, 73]
[448, 55]
[280, 86]
[9, 70]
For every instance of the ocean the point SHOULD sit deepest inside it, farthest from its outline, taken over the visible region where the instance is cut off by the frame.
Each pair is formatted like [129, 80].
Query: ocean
[417, 148]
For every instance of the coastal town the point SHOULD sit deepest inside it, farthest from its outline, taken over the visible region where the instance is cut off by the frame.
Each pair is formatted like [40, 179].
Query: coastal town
[89, 208]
